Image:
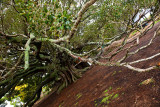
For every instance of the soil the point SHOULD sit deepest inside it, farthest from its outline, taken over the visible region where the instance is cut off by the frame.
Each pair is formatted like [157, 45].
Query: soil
[104, 86]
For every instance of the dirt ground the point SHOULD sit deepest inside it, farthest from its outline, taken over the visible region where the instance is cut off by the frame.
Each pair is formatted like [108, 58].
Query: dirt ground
[103, 86]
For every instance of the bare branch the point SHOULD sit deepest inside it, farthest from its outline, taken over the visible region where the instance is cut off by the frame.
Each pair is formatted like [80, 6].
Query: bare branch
[143, 47]
[7, 35]
[145, 59]
[139, 69]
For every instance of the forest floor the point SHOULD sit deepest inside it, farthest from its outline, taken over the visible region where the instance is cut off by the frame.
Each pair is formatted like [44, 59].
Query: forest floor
[103, 86]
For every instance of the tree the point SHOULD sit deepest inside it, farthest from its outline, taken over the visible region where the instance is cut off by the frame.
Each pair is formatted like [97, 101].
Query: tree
[42, 41]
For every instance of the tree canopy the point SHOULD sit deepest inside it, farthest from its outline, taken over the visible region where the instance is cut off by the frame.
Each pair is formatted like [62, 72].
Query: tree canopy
[47, 44]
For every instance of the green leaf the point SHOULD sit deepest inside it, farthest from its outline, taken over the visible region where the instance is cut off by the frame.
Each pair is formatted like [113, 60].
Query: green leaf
[59, 15]
[62, 27]
[57, 6]
[52, 28]
[45, 9]
[64, 13]
[65, 19]
[67, 22]
[46, 22]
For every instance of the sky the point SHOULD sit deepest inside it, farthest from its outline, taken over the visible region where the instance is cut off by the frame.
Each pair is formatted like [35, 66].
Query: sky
[8, 104]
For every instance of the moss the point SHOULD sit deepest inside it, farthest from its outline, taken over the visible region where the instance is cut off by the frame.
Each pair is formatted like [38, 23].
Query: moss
[106, 90]
[61, 104]
[114, 73]
[123, 93]
[115, 96]
[147, 81]
[96, 104]
[108, 97]
[79, 95]
[76, 103]
[110, 88]
[106, 94]
[120, 71]
[157, 21]
[134, 32]
[105, 99]
[119, 88]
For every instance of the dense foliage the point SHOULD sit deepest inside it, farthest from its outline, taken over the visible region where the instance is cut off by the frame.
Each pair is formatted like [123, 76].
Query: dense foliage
[43, 41]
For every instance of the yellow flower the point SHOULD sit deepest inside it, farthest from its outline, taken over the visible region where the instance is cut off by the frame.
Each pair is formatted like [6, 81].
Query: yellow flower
[21, 87]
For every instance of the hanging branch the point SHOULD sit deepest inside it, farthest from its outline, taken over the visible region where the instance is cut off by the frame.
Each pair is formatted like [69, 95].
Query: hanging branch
[27, 49]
